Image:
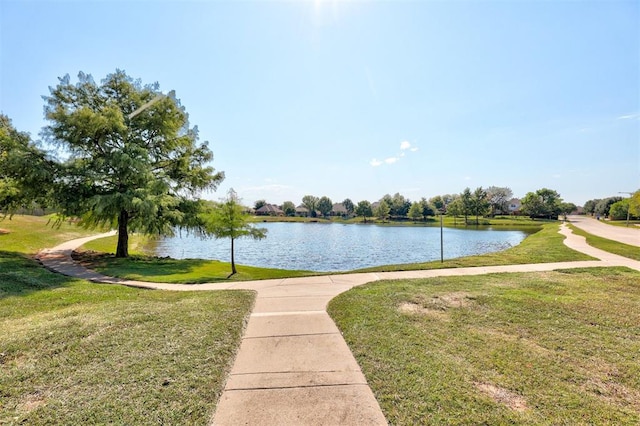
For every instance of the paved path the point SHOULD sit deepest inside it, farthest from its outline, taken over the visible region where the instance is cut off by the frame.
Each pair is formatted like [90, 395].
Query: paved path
[628, 235]
[293, 366]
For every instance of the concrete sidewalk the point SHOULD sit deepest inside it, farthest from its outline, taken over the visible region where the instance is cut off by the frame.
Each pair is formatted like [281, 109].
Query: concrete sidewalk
[293, 366]
[627, 235]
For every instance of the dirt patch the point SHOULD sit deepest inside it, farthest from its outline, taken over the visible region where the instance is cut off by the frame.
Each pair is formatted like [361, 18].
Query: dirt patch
[503, 396]
[31, 401]
[454, 300]
[437, 306]
[4, 231]
[527, 343]
[417, 308]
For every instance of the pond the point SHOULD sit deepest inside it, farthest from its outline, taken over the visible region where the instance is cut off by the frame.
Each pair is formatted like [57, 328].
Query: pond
[340, 247]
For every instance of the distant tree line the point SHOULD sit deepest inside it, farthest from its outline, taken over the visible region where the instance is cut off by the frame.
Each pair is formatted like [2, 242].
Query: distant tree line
[616, 208]
[468, 205]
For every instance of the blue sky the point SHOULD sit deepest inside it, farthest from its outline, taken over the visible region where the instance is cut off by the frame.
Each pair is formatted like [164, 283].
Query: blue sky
[359, 99]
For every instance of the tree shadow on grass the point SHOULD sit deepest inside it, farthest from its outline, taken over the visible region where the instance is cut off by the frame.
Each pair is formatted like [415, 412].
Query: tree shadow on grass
[145, 268]
[20, 276]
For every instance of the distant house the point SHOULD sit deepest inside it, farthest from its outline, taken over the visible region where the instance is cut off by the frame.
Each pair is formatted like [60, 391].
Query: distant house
[302, 211]
[339, 209]
[514, 206]
[269, 210]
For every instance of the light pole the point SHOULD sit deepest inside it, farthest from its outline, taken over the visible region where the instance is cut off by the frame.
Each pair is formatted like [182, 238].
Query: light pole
[628, 205]
[441, 239]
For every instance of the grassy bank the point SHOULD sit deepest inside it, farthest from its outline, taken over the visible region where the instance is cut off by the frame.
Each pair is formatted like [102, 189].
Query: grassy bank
[634, 223]
[543, 348]
[29, 234]
[544, 246]
[73, 352]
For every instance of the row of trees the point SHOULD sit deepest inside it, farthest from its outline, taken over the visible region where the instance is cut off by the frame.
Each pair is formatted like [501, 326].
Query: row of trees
[616, 208]
[544, 203]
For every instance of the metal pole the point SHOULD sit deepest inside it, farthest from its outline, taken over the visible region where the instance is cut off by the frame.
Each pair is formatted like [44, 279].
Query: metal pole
[441, 241]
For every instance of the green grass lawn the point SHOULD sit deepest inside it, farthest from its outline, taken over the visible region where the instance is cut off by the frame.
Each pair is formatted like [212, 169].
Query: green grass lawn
[543, 348]
[626, 250]
[73, 352]
[544, 246]
[634, 223]
[29, 234]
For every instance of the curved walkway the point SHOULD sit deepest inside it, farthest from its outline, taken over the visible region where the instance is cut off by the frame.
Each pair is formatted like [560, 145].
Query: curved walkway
[293, 366]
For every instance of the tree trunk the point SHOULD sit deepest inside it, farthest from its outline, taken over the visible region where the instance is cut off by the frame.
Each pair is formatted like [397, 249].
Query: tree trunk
[123, 235]
[233, 261]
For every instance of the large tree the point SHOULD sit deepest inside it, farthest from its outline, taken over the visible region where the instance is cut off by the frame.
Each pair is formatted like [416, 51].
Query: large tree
[437, 202]
[634, 204]
[466, 203]
[348, 205]
[311, 203]
[382, 210]
[289, 208]
[26, 173]
[325, 205]
[229, 220]
[590, 206]
[603, 206]
[479, 203]
[364, 209]
[498, 198]
[132, 160]
[415, 211]
[455, 209]
[426, 208]
[544, 203]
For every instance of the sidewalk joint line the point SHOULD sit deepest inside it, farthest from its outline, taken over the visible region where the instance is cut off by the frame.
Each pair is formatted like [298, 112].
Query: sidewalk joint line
[297, 387]
[286, 313]
[276, 336]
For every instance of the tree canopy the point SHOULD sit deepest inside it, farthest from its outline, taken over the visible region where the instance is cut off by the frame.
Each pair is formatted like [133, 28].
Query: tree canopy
[289, 208]
[324, 206]
[227, 219]
[26, 172]
[544, 203]
[311, 203]
[133, 161]
[363, 208]
[498, 198]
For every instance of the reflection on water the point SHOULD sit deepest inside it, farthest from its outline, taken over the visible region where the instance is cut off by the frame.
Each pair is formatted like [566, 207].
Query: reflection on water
[337, 247]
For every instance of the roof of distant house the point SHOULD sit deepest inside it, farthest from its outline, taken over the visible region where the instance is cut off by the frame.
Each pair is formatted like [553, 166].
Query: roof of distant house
[269, 208]
[339, 208]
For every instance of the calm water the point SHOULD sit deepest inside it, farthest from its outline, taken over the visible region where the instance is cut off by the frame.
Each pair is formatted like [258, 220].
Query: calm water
[337, 247]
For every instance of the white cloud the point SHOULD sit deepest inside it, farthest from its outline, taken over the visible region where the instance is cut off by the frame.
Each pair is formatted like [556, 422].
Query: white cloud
[635, 116]
[405, 146]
